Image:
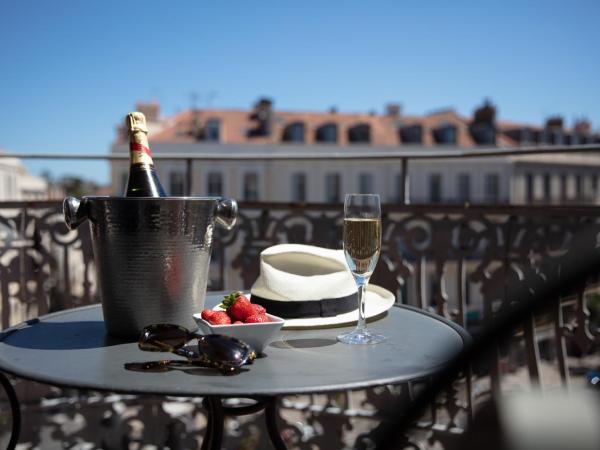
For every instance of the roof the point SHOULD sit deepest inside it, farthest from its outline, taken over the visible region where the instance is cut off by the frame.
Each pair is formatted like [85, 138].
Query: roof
[235, 124]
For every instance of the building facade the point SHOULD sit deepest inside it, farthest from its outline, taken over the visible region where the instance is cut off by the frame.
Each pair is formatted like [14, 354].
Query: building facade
[550, 178]
[17, 185]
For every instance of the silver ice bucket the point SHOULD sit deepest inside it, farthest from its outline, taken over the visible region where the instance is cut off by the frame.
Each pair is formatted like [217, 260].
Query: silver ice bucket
[152, 255]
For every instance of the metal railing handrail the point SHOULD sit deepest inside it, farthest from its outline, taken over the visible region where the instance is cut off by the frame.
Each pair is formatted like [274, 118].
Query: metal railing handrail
[348, 155]
[422, 153]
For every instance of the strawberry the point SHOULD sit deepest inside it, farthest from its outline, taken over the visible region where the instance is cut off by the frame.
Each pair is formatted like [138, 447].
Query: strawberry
[238, 306]
[238, 322]
[258, 309]
[207, 314]
[220, 318]
[257, 318]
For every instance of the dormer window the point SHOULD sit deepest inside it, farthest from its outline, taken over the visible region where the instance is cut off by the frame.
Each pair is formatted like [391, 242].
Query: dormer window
[483, 133]
[327, 133]
[445, 134]
[294, 132]
[212, 130]
[555, 137]
[411, 134]
[360, 133]
[525, 136]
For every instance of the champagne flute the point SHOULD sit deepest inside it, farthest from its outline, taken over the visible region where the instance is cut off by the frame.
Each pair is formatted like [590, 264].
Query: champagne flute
[362, 244]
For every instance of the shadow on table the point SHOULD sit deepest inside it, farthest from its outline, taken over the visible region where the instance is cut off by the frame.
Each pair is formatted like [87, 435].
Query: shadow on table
[181, 365]
[303, 343]
[62, 336]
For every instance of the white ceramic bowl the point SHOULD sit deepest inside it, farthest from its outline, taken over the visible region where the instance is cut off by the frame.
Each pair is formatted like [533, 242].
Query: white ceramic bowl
[257, 335]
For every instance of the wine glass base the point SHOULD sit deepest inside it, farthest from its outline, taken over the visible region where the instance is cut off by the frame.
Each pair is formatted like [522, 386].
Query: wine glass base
[361, 337]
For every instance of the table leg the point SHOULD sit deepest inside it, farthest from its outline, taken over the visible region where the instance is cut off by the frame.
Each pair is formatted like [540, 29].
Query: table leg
[216, 413]
[213, 438]
[271, 419]
[16, 411]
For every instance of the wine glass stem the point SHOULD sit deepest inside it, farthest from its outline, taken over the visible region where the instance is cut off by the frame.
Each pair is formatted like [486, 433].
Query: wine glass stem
[362, 287]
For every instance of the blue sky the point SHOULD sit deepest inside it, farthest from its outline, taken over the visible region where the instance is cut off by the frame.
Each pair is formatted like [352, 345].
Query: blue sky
[72, 69]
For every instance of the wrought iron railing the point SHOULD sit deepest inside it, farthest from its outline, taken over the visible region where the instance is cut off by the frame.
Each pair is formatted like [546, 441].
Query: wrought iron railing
[458, 261]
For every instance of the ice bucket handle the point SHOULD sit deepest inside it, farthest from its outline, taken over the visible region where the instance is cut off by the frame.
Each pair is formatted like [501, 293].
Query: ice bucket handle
[227, 211]
[75, 211]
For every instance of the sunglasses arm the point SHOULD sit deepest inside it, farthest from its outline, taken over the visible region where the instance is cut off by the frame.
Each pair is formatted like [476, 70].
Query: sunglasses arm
[182, 351]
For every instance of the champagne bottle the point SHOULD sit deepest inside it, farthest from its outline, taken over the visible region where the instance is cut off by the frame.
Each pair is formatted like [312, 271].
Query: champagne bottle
[143, 181]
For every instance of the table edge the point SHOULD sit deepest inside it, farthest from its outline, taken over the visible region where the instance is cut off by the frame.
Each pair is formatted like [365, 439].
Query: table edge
[463, 334]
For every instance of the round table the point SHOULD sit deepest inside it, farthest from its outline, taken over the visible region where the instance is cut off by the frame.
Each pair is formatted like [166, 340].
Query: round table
[71, 348]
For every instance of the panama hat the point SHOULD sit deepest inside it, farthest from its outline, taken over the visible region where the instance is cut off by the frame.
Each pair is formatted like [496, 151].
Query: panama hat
[312, 286]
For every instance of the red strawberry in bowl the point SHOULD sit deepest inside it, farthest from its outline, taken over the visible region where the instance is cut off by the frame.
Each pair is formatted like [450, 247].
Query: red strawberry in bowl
[257, 318]
[258, 309]
[238, 317]
[238, 306]
[220, 318]
[207, 314]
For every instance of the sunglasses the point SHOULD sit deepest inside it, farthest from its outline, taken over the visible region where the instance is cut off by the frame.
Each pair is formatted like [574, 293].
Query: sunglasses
[221, 352]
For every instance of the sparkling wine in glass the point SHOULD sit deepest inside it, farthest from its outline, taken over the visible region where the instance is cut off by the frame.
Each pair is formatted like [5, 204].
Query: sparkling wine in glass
[362, 244]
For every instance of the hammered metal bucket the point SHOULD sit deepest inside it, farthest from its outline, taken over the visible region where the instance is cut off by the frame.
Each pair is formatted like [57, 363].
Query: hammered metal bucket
[151, 255]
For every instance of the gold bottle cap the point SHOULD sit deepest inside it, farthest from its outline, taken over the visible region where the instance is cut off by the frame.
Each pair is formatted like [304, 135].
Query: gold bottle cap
[136, 121]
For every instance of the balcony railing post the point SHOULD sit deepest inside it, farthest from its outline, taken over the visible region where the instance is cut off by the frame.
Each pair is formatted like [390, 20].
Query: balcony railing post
[404, 183]
[188, 176]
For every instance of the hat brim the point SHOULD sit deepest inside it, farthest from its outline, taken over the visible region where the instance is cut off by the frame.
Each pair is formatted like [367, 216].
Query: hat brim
[378, 301]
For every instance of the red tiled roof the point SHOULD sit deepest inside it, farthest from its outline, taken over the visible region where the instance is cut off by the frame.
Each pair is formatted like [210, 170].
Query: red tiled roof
[235, 124]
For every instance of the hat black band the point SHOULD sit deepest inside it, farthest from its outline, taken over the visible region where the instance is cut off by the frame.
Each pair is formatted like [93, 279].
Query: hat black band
[327, 307]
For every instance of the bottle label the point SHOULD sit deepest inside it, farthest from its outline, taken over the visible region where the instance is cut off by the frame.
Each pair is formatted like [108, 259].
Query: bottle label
[140, 153]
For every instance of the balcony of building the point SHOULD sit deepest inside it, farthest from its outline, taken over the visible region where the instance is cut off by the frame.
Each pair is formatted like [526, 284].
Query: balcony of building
[470, 262]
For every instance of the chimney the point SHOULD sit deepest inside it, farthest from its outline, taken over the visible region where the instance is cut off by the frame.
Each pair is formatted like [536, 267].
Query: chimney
[263, 115]
[393, 110]
[485, 114]
[582, 126]
[150, 109]
[483, 126]
[554, 123]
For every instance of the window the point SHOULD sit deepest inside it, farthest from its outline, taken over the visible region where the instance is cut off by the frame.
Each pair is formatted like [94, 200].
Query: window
[298, 187]
[214, 184]
[365, 183]
[411, 134]
[359, 133]
[563, 186]
[529, 187]
[212, 130]
[492, 188]
[526, 136]
[464, 187]
[556, 137]
[177, 184]
[483, 133]
[578, 187]
[327, 133]
[294, 132]
[8, 187]
[445, 134]
[332, 187]
[547, 186]
[435, 188]
[251, 186]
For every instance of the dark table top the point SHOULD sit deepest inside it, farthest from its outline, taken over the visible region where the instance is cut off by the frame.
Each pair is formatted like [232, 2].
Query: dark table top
[71, 348]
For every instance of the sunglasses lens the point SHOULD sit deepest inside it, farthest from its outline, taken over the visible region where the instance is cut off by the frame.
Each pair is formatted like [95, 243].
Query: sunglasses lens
[163, 337]
[224, 349]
